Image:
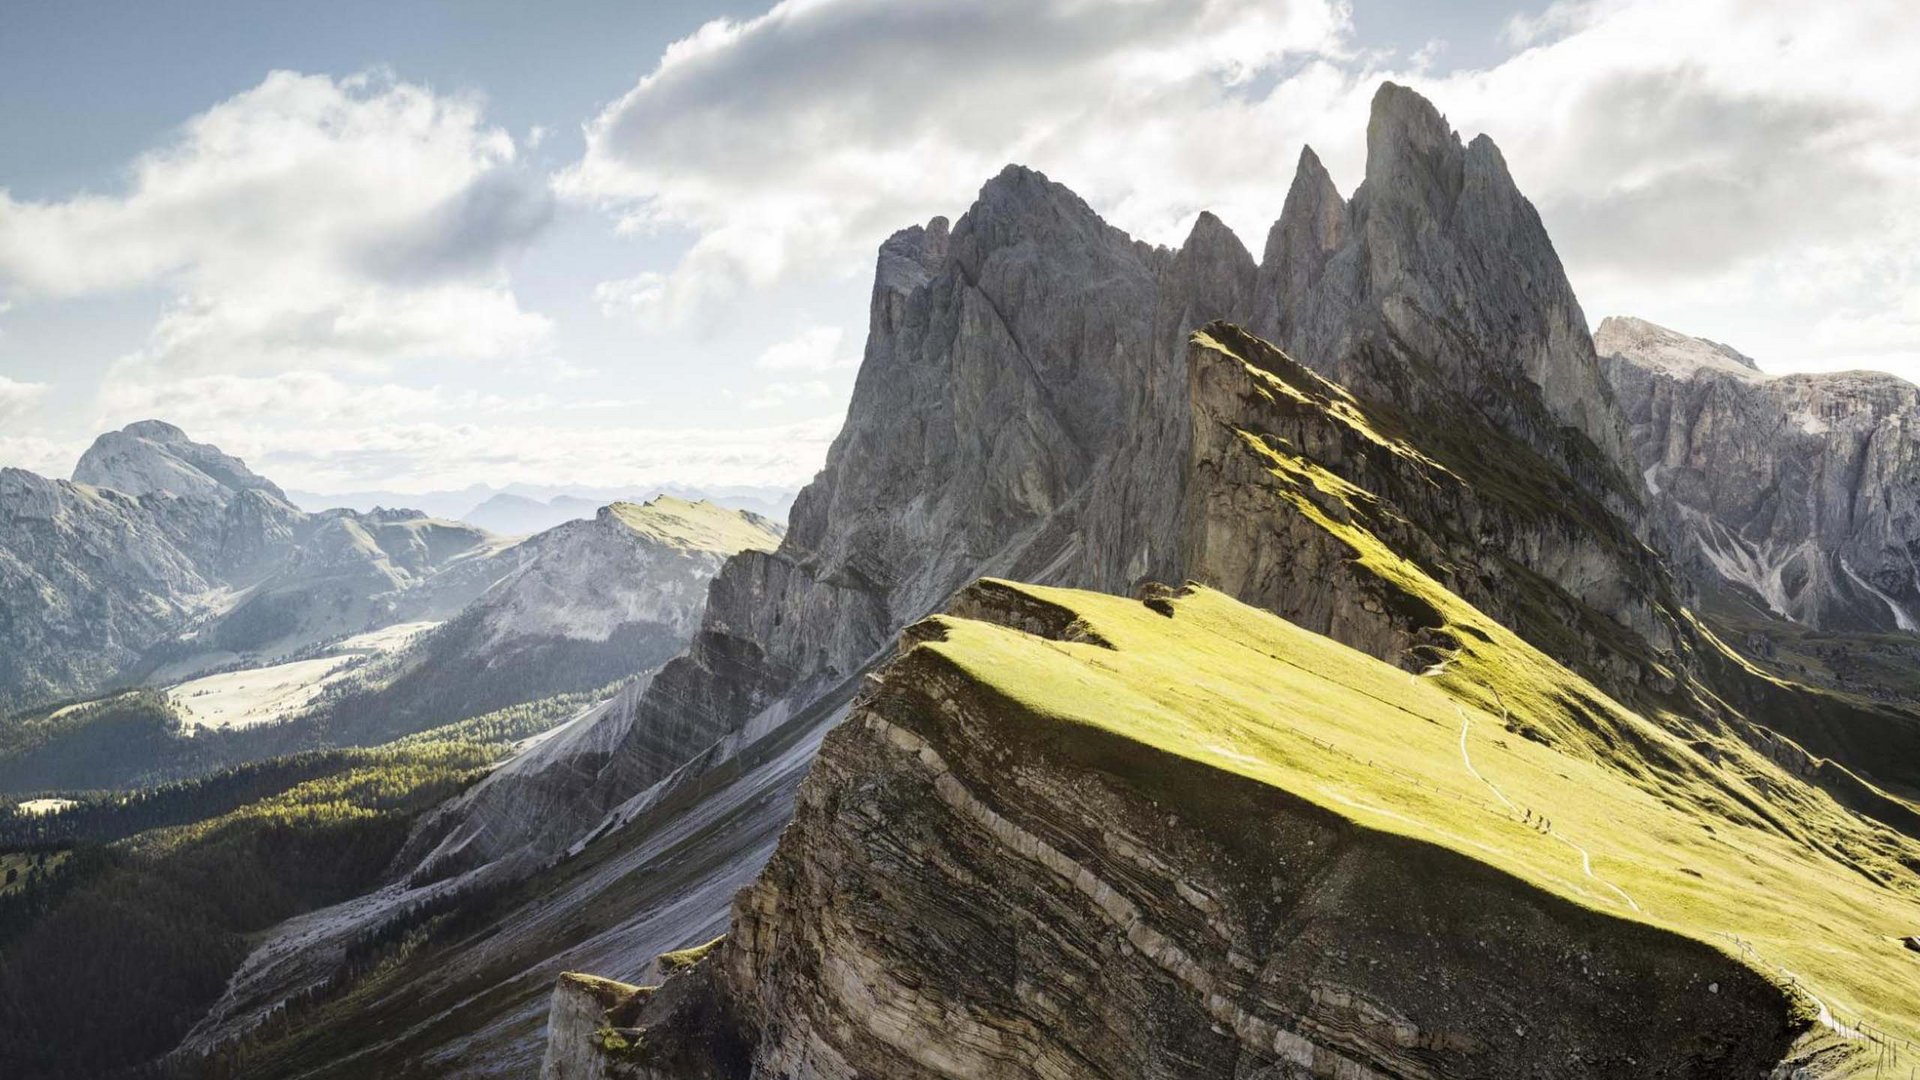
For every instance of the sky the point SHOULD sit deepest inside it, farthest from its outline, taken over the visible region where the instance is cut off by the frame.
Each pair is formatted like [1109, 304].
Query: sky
[420, 246]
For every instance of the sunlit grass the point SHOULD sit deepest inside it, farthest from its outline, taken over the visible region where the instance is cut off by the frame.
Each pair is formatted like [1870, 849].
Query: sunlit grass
[1249, 693]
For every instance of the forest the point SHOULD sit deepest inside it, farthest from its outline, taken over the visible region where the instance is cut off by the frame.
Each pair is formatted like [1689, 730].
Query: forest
[138, 906]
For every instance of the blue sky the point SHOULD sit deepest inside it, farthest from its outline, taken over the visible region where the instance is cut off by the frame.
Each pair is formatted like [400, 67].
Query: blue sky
[418, 246]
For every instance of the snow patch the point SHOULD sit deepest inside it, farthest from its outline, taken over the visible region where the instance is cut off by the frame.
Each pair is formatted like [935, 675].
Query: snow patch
[1902, 618]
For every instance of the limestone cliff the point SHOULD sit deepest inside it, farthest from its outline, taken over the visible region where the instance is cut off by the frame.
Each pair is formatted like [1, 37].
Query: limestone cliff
[1804, 489]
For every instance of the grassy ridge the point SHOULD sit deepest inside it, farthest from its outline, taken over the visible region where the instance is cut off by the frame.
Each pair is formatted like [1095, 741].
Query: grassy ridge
[1674, 840]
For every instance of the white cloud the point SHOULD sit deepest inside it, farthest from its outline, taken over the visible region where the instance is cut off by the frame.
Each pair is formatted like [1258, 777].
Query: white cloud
[815, 349]
[17, 399]
[1730, 166]
[431, 456]
[1733, 167]
[798, 139]
[308, 220]
[776, 394]
[37, 454]
[295, 399]
[636, 297]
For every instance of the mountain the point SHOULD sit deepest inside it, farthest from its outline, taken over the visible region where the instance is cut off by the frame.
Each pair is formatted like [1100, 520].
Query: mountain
[574, 501]
[516, 515]
[1434, 473]
[152, 456]
[89, 576]
[583, 604]
[1803, 490]
[163, 554]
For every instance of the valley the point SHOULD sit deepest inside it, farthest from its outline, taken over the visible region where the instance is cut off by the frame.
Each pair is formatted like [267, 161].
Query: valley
[249, 696]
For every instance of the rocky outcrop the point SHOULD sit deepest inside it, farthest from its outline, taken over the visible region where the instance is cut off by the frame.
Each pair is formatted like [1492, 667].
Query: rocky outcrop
[1803, 489]
[576, 1047]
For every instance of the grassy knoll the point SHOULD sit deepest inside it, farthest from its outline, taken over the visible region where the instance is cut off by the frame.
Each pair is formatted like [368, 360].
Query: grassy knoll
[697, 526]
[1700, 839]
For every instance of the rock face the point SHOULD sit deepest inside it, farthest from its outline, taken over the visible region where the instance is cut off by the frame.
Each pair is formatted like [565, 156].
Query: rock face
[577, 1015]
[1437, 287]
[88, 576]
[162, 550]
[1804, 489]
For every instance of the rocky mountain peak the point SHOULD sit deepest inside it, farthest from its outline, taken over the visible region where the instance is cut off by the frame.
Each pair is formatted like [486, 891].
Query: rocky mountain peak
[156, 431]
[1213, 268]
[1412, 154]
[1669, 352]
[1442, 261]
[153, 456]
[1022, 207]
[1312, 227]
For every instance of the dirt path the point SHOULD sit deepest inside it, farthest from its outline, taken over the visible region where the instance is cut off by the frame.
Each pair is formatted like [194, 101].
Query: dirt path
[1826, 1017]
[1586, 857]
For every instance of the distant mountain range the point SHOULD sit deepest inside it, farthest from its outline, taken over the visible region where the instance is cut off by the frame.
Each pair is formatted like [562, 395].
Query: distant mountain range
[165, 558]
[521, 509]
[1801, 490]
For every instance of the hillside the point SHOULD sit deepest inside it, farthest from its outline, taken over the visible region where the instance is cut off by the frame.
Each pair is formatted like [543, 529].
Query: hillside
[1079, 771]
[582, 605]
[143, 903]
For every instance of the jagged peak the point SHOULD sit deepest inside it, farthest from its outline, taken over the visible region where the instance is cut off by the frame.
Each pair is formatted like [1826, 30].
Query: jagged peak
[1405, 115]
[910, 256]
[1312, 220]
[1211, 238]
[1019, 192]
[1413, 155]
